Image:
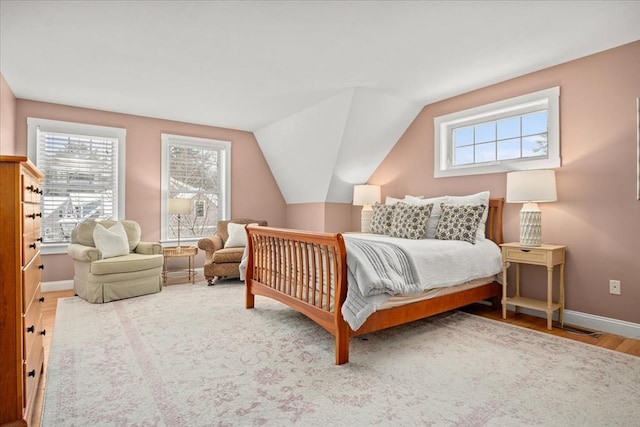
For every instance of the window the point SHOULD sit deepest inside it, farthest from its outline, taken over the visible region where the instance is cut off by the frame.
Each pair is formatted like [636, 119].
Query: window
[516, 134]
[84, 176]
[199, 170]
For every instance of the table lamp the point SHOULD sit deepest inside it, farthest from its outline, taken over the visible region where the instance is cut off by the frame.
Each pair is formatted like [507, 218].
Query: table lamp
[531, 187]
[366, 195]
[179, 207]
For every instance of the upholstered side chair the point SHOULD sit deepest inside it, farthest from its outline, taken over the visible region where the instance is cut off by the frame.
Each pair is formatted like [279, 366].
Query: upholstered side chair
[101, 277]
[222, 256]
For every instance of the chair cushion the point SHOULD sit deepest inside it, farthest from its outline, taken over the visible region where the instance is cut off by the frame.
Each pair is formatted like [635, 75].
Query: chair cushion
[126, 264]
[228, 255]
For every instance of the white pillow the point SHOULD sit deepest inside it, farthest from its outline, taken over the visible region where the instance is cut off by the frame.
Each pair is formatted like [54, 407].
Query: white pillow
[111, 242]
[391, 200]
[432, 225]
[481, 198]
[237, 235]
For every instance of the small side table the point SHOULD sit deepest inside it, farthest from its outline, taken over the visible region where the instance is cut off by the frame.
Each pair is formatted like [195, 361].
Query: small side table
[545, 255]
[180, 252]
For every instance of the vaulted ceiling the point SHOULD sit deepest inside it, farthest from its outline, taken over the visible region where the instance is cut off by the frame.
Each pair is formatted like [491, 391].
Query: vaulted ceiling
[327, 86]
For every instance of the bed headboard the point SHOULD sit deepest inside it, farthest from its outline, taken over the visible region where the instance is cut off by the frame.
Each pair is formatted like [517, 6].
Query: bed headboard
[494, 220]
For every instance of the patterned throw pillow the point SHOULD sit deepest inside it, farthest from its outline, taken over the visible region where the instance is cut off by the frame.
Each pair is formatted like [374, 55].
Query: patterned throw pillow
[381, 220]
[459, 222]
[410, 221]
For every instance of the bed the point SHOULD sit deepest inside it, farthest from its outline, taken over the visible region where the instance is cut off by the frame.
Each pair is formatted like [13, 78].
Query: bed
[307, 271]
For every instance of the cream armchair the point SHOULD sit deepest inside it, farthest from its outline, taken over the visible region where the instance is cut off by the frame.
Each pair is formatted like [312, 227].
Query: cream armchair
[98, 279]
[222, 260]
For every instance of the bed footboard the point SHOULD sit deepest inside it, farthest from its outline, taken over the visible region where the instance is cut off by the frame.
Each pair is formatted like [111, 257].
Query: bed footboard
[304, 270]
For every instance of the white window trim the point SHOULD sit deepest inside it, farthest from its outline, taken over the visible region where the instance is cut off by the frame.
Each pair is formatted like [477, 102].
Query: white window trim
[443, 127]
[226, 176]
[80, 129]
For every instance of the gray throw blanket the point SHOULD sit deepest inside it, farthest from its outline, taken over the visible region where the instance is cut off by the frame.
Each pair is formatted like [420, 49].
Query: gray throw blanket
[375, 271]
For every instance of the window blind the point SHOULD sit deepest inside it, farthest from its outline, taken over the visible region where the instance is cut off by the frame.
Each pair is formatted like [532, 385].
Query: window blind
[81, 181]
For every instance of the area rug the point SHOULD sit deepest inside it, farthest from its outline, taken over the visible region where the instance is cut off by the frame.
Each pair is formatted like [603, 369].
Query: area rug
[192, 355]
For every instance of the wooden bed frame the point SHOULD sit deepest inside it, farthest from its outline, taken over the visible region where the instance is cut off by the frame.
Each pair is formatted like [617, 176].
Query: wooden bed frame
[307, 271]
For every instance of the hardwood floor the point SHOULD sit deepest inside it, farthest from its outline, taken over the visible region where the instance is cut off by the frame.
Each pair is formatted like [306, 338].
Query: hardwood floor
[605, 340]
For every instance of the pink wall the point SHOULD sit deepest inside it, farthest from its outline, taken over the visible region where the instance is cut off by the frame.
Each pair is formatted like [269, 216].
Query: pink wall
[597, 215]
[328, 217]
[7, 118]
[254, 192]
[306, 216]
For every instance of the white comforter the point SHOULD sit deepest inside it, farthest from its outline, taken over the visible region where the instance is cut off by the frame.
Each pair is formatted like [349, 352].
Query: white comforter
[434, 264]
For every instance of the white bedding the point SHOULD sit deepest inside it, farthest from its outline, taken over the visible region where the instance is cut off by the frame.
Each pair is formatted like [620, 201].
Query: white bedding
[435, 264]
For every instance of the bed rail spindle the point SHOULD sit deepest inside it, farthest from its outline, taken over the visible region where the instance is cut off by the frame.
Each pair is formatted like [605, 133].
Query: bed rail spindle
[314, 272]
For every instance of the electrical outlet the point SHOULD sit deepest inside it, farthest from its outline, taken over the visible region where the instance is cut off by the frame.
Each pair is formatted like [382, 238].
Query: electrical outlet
[614, 287]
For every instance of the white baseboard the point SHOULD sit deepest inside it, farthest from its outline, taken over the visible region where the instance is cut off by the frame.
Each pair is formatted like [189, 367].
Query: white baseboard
[591, 322]
[60, 285]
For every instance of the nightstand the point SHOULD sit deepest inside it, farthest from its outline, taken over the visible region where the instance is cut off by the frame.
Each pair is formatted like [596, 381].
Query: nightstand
[545, 255]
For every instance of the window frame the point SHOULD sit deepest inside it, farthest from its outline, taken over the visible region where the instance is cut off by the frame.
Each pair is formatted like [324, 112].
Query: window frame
[191, 142]
[47, 125]
[548, 99]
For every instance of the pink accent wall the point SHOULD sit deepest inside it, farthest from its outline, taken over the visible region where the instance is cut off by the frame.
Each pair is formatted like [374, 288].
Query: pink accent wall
[7, 119]
[254, 192]
[597, 215]
[328, 217]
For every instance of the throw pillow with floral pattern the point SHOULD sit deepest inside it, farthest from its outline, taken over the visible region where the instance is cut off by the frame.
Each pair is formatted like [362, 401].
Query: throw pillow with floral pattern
[410, 221]
[459, 222]
[381, 220]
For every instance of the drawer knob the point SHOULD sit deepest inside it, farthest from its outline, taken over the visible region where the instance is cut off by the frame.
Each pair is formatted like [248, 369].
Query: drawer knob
[41, 266]
[43, 332]
[30, 187]
[32, 246]
[32, 373]
[41, 299]
[39, 239]
[525, 250]
[39, 214]
[31, 329]
[32, 216]
[38, 191]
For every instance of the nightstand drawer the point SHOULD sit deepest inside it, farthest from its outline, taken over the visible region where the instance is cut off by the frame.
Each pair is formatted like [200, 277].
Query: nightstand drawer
[532, 255]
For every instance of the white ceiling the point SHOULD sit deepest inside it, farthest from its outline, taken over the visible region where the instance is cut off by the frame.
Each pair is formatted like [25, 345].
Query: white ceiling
[246, 65]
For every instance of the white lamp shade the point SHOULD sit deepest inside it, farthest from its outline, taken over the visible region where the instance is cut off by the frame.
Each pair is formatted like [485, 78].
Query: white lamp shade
[531, 186]
[366, 194]
[179, 206]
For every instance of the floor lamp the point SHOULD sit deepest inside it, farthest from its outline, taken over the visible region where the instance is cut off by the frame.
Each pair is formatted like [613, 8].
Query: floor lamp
[531, 187]
[179, 207]
[366, 195]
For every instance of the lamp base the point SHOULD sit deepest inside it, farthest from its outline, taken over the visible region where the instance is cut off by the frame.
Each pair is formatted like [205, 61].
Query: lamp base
[365, 219]
[530, 225]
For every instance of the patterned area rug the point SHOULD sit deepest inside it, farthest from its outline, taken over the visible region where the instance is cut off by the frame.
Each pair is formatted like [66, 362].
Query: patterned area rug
[193, 356]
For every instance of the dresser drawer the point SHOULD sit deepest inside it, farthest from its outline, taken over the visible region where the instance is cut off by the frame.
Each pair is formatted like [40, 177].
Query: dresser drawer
[30, 218]
[30, 246]
[31, 277]
[30, 189]
[32, 371]
[32, 324]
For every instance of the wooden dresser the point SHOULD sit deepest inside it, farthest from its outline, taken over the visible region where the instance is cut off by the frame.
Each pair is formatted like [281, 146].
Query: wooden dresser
[21, 351]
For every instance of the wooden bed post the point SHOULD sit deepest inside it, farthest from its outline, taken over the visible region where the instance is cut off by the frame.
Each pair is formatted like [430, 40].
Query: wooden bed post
[342, 329]
[249, 297]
